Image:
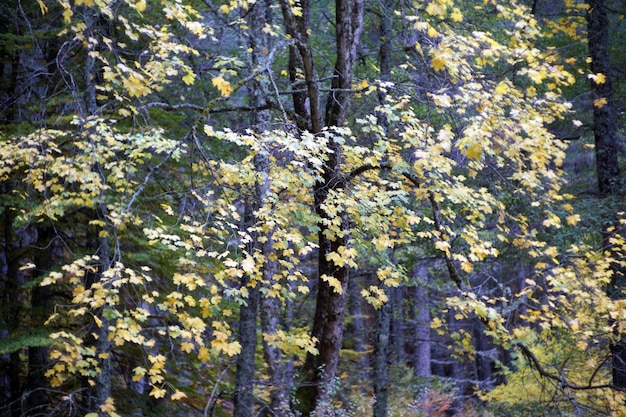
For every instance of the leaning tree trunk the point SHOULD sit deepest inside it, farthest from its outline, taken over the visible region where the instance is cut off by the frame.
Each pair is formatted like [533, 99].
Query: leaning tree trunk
[607, 164]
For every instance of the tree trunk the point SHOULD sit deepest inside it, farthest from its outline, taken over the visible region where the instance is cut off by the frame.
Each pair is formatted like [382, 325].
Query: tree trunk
[258, 42]
[607, 164]
[244, 377]
[355, 328]
[383, 314]
[319, 371]
[422, 325]
[381, 358]
[41, 309]
[604, 129]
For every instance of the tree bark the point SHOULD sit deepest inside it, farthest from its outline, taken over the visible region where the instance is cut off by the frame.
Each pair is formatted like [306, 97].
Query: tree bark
[258, 42]
[422, 325]
[41, 310]
[244, 377]
[383, 314]
[606, 146]
[604, 128]
[381, 358]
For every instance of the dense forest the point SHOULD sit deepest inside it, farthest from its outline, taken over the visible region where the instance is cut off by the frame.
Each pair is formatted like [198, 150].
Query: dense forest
[312, 208]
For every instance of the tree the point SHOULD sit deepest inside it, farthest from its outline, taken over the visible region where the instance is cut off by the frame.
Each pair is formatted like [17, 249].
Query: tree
[606, 145]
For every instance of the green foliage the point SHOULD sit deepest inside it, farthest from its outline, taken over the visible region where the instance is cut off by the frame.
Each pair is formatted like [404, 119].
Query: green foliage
[35, 338]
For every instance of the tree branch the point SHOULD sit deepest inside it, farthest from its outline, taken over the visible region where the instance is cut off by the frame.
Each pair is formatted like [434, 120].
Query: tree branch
[195, 107]
[530, 356]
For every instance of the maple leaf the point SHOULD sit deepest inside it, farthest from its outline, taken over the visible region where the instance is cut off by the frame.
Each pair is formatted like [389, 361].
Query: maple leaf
[203, 354]
[248, 264]
[438, 64]
[456, 15]
[178, 395]
[600, 102]
[573, 219]
[502, 88]
[139, 372]
[223, 86]
[435, 9]
[598, 78]
[473, 151]
[334, 283]
[157, 392]
[136, 87]
[189, 77]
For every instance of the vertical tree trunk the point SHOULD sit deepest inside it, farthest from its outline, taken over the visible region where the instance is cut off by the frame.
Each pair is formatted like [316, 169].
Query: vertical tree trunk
[604, 129]
[258, 42]
[381, 358]
[40, 310]
[383, 314]
[355, 328]
[422, 325]
[102, 388]
[397, 340]
[318, 371]
[607, 164]
[244, 376]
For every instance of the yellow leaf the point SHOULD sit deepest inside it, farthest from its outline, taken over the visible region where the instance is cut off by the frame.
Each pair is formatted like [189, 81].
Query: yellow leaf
[189, 77]
[43, 7]
[108, 406]
[140, 6]
[203, 354]
[67, 15]
[467, 266]
[573, 219]
[186, 347]
[502, 88]
[296, 10]
[334, 283]
[456, 15]
[136, 87]
[223, 86]
[473, 151]
[435, 9]
[248, 264]
[441, 100]
[599, 103]
[178, 395]
[438, 64]
[598, 78]
[443, 246]
[157, 392]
